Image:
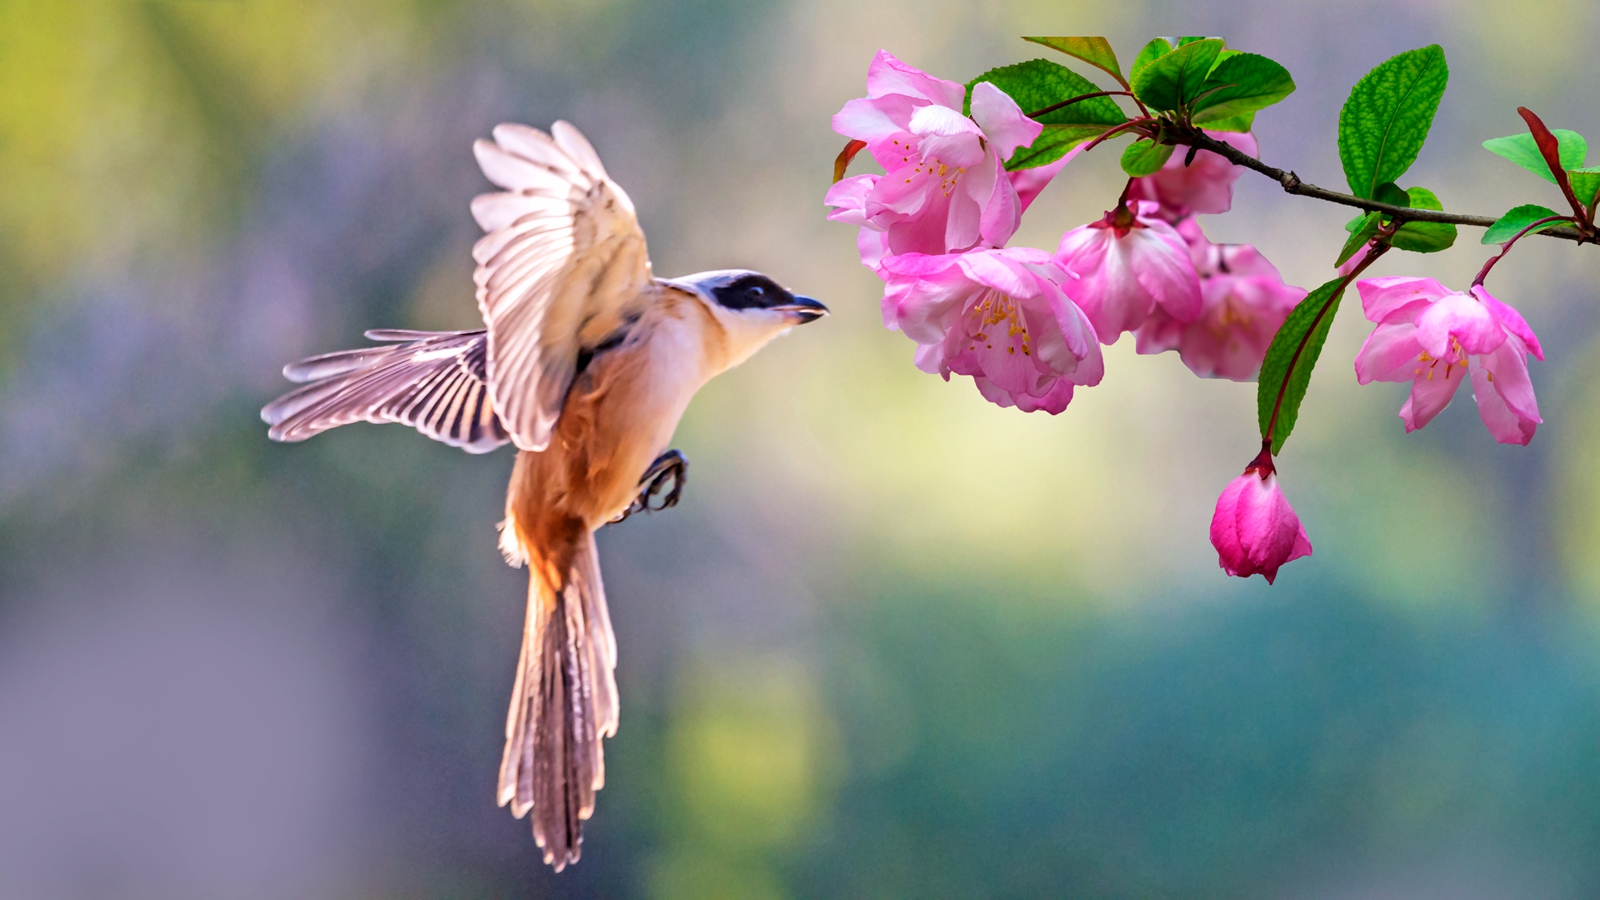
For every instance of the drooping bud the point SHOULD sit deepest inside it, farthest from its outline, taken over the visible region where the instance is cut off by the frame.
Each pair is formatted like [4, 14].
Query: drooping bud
[1254, 528]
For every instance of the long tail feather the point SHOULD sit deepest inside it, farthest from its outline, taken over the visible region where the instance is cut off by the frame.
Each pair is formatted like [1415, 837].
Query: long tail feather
[564, 702]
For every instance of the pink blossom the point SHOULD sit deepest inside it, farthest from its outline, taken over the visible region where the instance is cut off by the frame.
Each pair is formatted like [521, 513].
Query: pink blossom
[1127, 264]
[1243, 304]
[1254, 528]
[945, 188]
[1436, 338]
[1203, 186]
[999, 316]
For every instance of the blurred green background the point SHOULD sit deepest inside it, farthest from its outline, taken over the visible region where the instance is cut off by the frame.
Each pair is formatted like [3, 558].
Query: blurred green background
[896, 642]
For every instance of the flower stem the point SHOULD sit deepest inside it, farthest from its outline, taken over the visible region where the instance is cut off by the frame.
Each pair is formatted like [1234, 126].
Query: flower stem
[1262, 464]
[1506, 247]
[1129, 125]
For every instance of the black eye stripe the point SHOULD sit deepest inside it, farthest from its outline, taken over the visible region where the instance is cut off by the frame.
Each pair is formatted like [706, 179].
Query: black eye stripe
[752, 292]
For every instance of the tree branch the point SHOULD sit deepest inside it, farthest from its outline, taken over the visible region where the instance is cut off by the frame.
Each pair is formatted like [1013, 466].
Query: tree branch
[1292, 184]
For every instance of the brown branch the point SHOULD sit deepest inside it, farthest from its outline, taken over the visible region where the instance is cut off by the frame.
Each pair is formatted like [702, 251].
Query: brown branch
[1292, 184]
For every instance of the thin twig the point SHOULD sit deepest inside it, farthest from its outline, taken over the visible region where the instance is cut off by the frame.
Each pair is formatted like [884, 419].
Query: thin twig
[1506, 247]
[1292, 184]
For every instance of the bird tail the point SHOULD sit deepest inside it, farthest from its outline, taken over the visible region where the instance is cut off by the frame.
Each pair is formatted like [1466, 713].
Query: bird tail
[565, 698]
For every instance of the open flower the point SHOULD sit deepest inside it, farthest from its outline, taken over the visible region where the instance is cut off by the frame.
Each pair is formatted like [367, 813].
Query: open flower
[1243, 304]
[1436, 339]
[1203, 186]
[1254, 529]
[999, 316]
[1128, 264]
[945, 188]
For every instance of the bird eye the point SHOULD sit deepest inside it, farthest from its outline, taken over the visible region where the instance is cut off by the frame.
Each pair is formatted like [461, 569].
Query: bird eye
[758, 291]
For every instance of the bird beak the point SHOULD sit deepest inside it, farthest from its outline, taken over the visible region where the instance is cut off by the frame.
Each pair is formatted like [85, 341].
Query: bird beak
[803, 309]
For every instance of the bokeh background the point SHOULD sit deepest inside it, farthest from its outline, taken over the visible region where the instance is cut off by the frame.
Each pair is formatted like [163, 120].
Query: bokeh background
[896, 642]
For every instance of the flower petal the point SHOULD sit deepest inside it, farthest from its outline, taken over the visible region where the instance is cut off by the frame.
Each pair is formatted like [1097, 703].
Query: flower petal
[1431, 392]
[1002, 120]
[1001, 272]
[1511, 319]
[1160, 262]
[1397, 299]
[1460, 318]
[887, 75]
[1504, 392]
[868, 120]
[1225, 529]
[1389, 354]
[849, 199]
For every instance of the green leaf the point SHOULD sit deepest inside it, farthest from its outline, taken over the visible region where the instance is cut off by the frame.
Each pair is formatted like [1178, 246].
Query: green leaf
[1040, 83]
[1052, 144]
[1291, 358]
[1386, 119]
[1361, 229]
[1190, 39]
[1585, 184]
[1247, 82]
[1227, 53]
[1524, 151]
[1390, 193]
[1171, 80]
[1147, 55]
[1424, 237]
[1240, 123]
[1506, 227]
[1096, 51]
[1145, 158]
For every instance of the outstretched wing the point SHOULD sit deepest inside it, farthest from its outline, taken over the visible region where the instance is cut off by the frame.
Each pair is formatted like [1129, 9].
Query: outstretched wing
[433, 381]
[562, 267]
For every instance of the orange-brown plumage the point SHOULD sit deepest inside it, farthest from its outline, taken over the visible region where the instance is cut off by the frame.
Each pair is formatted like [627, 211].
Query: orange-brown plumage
[586, 363]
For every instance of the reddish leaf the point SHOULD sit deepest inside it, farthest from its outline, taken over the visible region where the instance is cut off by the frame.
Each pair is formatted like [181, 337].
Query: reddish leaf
[843, 161]
[1550, 149]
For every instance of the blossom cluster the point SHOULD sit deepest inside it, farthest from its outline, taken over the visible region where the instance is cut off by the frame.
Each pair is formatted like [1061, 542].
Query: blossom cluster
[1028, 325]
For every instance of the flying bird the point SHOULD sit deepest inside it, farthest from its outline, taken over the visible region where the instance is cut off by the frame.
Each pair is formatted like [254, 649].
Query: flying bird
[586, 363]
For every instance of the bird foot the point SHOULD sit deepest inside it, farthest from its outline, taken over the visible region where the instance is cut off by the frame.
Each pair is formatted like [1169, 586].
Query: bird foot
[670, 467]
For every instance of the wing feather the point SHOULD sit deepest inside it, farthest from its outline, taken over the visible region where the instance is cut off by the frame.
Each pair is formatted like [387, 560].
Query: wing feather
[432, 381]
[562, 267]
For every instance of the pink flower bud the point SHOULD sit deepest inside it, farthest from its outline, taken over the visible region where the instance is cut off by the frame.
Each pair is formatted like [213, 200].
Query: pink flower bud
[1254, 529]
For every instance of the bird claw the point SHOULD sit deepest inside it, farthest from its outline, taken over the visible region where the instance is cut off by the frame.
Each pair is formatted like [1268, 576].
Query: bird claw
[670, 466]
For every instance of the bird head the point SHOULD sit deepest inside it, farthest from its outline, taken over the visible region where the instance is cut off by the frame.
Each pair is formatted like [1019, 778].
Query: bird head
[751, 307]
